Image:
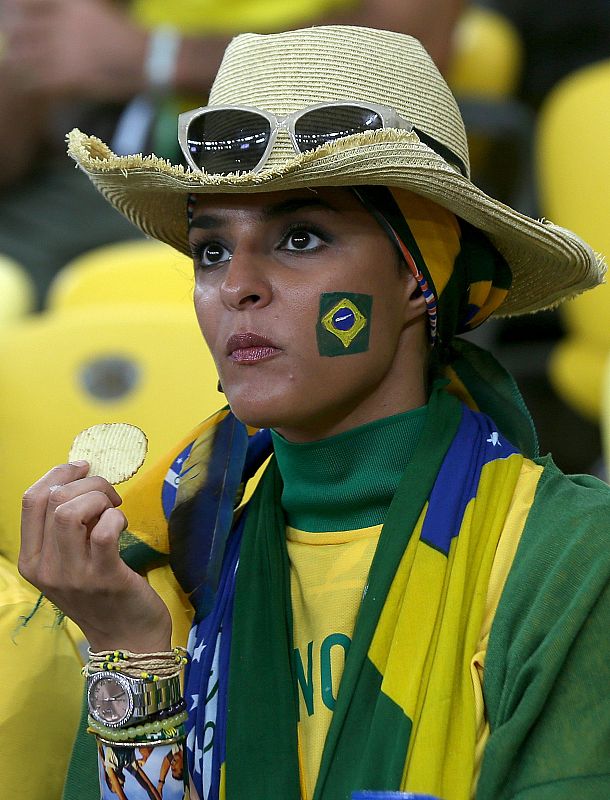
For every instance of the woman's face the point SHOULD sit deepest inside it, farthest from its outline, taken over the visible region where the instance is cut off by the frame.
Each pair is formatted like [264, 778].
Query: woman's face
[312, 323]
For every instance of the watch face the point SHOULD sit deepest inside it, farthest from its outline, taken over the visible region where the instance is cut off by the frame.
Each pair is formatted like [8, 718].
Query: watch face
[110, 700]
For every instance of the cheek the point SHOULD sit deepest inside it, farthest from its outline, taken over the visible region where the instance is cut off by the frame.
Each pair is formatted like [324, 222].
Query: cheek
[389, 317]
[207, 311]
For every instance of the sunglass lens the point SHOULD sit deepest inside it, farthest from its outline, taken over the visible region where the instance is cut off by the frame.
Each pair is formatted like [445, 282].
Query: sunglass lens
[228, 140]
[323, 125]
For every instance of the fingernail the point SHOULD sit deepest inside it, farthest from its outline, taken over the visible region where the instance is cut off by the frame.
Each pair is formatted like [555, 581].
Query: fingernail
[79, 463]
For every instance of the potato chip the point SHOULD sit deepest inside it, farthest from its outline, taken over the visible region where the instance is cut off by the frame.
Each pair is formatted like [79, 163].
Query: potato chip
[115, 450]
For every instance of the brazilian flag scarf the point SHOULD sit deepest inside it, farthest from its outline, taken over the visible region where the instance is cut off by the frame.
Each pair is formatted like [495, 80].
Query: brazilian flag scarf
[405, 716]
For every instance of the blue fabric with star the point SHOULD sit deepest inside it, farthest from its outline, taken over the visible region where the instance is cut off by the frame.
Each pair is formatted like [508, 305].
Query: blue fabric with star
[446, 506]
[206, 680]
[205, 534]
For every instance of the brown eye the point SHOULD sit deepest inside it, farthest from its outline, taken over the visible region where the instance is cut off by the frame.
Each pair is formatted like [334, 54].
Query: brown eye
[210, 254]
[302, 239]
[213, 253]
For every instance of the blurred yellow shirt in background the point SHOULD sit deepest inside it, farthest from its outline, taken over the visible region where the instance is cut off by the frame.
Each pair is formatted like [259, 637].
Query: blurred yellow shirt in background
[225, 16]
[42, 689]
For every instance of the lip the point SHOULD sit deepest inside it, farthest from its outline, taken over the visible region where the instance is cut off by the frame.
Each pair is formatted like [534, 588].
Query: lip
[250, 348]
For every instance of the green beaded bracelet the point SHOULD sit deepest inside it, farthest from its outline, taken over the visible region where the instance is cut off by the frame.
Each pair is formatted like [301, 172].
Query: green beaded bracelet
[157, 730]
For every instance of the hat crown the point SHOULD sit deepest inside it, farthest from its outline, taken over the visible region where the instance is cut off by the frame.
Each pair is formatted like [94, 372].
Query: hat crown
[285, 72]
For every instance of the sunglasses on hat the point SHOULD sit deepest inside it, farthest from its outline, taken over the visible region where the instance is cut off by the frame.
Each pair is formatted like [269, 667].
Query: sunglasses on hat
[224, 139]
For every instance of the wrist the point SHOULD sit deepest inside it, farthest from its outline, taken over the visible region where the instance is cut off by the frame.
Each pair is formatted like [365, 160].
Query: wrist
[133, 644]
[197, 63]
[136, 639]
[117, 73]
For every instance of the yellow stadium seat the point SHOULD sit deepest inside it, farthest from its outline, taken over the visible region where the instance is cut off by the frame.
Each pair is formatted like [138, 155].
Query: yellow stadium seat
[576, 370]
[60, 373]
[17, 292]
[574, 175]
[126, 272]
[484, 74]
[487, 56]
[572, 152]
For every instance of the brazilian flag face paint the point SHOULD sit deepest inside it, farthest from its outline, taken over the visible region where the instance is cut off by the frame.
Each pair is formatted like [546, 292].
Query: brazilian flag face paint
[343, 323]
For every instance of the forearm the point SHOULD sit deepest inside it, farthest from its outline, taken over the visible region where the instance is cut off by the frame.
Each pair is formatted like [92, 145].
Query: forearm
[129, 772]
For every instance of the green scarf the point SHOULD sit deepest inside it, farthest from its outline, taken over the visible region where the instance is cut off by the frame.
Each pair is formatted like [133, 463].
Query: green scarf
[453, 457]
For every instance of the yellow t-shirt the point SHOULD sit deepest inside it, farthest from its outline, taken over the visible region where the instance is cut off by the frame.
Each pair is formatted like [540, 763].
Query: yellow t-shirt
[328, 573]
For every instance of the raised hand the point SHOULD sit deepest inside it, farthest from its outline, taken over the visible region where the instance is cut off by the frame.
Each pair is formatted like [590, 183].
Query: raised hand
[88, 49]
[70, 530]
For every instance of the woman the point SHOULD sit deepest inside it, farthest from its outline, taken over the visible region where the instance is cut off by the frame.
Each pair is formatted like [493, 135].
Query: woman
[407, 601]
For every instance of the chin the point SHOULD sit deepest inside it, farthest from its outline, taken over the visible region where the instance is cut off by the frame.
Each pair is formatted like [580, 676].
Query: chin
[257, 412]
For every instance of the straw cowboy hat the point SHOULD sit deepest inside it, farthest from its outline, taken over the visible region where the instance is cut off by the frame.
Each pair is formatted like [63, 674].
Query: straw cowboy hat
[283, 73]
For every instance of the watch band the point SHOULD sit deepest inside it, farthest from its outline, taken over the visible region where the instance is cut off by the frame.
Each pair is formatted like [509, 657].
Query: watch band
[151, 697]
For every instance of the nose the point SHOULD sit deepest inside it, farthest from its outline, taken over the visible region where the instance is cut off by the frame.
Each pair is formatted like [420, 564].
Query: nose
[247, 281]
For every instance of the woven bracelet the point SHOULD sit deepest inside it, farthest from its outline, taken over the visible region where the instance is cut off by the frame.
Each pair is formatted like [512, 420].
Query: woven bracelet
[149, 666]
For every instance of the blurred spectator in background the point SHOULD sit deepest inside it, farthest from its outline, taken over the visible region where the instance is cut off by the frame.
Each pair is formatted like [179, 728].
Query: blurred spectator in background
[122, 70]
[558, 38]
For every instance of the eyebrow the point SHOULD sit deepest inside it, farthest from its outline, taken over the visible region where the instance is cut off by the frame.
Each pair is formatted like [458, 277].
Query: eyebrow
[283, 208]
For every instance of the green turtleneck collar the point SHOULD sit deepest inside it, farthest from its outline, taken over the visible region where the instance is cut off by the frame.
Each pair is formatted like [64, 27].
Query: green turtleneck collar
[347, 481]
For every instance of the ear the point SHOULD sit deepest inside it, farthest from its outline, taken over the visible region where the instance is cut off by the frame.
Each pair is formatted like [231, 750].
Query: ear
[414, 302]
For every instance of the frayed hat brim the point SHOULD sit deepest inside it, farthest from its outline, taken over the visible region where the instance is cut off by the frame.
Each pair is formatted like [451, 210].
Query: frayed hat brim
[549, 263]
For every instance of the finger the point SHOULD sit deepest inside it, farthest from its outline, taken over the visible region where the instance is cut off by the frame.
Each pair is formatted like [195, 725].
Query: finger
[35, 76]
[70, 524]
[97, 484]
[104, 541]
[25, 52]
[26, 7]
[34, 507]
[22, 30]
[31, 48]
[61, 493]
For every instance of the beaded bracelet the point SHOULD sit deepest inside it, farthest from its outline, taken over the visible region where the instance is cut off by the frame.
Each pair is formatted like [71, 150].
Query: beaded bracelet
[157, 731]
